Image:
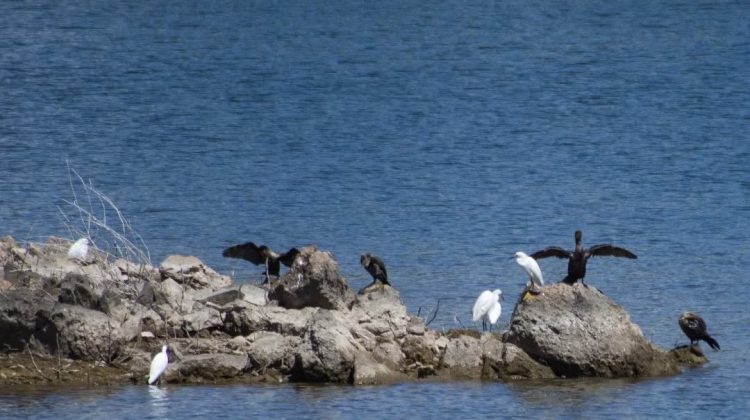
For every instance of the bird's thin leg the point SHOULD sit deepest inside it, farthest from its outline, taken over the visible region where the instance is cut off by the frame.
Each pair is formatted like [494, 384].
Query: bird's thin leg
[484, 324]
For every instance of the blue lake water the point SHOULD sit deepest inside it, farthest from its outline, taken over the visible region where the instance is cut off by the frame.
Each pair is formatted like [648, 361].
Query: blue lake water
[441, 136]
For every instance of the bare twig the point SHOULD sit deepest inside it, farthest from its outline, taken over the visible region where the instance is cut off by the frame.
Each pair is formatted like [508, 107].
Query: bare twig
[59, 359]
[31, 355]
[122, 241]
[434, 313]
[457, 320]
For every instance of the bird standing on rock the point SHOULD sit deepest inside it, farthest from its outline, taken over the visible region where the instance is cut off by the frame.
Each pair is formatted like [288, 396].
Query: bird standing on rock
[79, 250]
[532, 269]
[694, 328]
[262, 255]
[488, 308]
[158, 365]
[376, 267]
[579, 256]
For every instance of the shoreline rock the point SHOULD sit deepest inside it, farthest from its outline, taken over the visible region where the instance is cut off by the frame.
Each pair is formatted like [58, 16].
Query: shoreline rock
[107, 316]
[579, 332]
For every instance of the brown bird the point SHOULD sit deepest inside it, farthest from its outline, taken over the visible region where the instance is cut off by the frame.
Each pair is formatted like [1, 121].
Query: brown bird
[376, 267]
[694, 328]
[579, 256]
[262, 255]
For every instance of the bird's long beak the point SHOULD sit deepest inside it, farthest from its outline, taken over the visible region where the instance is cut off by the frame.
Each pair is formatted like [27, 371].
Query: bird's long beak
[502, 298]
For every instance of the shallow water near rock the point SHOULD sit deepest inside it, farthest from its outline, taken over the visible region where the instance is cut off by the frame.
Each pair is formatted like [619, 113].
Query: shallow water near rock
[442, 138]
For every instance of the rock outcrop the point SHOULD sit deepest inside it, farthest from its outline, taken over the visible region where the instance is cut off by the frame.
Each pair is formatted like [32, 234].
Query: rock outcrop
[312, 280]
[578, 331]
[306, 326]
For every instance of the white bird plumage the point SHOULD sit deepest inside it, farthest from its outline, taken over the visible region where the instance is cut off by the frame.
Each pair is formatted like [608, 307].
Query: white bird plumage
[487, 307]
[531, 268]
[79, 249]
[158, 365]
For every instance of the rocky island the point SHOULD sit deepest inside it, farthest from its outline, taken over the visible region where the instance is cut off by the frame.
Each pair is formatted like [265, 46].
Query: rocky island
[100, 321]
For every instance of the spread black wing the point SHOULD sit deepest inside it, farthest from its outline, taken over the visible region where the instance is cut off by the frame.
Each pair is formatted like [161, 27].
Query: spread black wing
[288, 258]
[247, 251]
[552, 251]
[611, 250]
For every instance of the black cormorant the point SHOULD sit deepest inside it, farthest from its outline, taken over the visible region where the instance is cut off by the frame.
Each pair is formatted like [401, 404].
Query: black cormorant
[262, 255]
[376, 267]
[579, 256]
[694, 328]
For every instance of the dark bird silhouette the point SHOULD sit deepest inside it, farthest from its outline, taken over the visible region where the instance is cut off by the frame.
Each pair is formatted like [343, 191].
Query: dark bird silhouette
[579, 256]
[376, 267]
[694, 328]
[262, 255]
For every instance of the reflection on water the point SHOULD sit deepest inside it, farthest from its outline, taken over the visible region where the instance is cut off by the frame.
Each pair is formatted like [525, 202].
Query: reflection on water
[159, 402]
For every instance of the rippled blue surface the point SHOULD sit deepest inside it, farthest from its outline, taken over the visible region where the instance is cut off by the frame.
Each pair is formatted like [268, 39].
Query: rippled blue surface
[442, 137]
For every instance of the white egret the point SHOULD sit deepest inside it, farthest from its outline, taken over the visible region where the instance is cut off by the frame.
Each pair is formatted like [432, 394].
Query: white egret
[487, 307]
[532, 269]
[158, 365]
[79, 249]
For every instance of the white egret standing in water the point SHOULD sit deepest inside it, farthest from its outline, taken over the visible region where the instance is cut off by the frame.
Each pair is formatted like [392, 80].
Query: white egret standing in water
[158, 365]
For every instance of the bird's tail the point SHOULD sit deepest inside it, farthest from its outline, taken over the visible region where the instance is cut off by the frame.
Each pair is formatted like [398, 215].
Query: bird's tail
[711, 342]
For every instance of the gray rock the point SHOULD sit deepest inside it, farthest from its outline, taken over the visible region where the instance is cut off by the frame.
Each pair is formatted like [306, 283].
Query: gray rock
[270, 350]
[416, 326]
[422, 350]
[201, 318]
[382, 313]
[127, 270]
[505, 361]
[20, 309]
[253, 294]
[461, 358]
[132, 318]
[219, 297]
[80, 289]
[210, 367]
[313, 280]
[327, 351]
[688, 356]
[247, 318]
[191, 272]
[249, 293]
[578, 331]
[368, 371]
[177, 297]
[82, 334]
[389, 353]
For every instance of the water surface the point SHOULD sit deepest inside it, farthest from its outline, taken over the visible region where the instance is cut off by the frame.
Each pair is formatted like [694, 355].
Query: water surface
[442, 137]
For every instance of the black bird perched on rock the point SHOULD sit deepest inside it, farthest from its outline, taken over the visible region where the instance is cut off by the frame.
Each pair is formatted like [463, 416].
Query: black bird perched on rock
[262, 255]
[579, 256]
[694, 328]
[376, 267]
